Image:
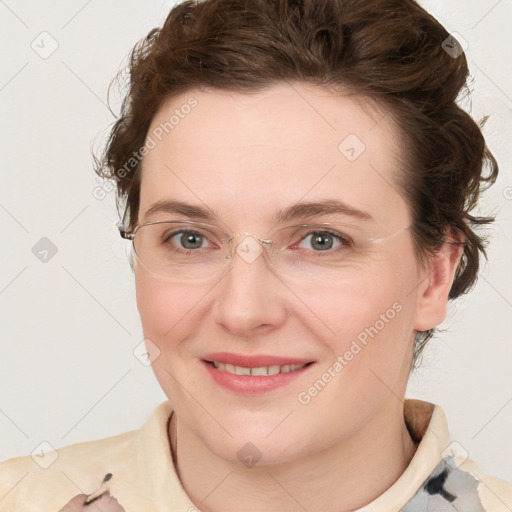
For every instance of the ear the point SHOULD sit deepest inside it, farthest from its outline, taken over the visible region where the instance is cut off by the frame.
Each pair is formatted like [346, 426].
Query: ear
[434, 290]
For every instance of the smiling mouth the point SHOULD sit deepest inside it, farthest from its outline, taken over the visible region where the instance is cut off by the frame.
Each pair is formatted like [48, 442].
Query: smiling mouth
[261, 371]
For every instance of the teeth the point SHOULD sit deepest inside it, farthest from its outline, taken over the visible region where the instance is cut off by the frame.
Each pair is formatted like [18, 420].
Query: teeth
[240, 370]
[260, 371]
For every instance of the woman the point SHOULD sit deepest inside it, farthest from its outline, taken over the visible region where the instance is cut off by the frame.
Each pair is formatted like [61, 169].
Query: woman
[298, 183]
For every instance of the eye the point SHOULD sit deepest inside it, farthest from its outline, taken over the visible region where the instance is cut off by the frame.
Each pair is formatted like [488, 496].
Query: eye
[188, 240]
[324, 241]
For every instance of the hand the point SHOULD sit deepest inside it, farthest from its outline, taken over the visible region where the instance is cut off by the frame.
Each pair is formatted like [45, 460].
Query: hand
[105, 503]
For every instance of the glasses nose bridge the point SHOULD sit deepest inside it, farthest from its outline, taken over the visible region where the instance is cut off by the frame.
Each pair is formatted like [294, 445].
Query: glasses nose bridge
[237, 238]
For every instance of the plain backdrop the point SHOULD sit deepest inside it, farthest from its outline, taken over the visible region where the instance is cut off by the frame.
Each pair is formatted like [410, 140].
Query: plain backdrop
[68, 372]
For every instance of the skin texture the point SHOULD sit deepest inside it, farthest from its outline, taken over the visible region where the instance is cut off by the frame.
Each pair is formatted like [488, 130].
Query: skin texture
[247, 156]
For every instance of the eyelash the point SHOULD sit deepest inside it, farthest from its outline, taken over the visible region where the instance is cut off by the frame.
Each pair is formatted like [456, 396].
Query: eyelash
[344, 240]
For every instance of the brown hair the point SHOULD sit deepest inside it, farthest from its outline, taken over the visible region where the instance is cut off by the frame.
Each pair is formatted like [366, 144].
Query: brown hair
[389, 51]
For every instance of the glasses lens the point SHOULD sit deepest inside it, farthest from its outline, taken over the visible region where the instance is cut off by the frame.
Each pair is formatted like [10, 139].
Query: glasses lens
[305, 253]
[181, 250]
[322, 252]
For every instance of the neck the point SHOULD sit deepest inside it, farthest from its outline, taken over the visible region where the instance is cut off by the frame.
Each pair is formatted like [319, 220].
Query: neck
[341, 478]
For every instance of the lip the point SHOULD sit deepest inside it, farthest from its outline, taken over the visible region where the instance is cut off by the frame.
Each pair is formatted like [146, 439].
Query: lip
[253, 361]
[249, 384]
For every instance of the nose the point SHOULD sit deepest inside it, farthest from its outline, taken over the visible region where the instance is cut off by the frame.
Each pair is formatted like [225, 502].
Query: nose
[250, 298]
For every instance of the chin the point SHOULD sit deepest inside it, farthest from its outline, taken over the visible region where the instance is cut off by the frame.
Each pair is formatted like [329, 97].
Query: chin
[254, 446]
[257, 453]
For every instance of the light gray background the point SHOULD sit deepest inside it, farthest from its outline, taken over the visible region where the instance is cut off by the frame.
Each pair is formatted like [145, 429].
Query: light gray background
[70, 325]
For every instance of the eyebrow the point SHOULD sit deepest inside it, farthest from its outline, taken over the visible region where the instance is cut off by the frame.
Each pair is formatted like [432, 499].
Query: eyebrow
[296, 211]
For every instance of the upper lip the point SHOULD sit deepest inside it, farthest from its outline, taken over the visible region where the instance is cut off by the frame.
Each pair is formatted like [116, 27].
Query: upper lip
[255, 361]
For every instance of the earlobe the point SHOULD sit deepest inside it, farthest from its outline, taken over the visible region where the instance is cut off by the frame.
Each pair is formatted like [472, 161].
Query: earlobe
[436, 285]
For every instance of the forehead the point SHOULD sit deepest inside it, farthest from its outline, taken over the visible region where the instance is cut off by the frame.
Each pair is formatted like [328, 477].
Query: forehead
[252, 154]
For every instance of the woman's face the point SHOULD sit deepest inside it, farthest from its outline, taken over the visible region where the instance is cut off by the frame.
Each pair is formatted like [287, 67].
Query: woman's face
[247, 157]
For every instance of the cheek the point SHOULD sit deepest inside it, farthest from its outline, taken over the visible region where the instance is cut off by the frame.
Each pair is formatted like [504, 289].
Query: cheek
[165, 308]
[354, 305]
[370, 321]
[167, 313]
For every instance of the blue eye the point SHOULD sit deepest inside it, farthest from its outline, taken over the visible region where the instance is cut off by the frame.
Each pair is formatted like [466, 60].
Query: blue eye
[187, 240]
[322, 241]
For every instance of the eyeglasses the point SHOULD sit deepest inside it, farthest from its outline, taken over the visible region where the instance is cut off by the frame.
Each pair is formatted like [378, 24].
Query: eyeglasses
[183, 250]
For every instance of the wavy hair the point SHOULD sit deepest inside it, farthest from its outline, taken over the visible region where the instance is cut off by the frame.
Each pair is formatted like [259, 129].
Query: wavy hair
[391, 52]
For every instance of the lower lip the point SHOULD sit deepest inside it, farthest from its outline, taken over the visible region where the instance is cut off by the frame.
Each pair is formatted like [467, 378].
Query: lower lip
[252, 385]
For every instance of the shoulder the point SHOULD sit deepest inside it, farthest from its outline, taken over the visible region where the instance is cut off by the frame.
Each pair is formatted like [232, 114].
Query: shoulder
[47, 481]
[457, 482]
[441, 474]
[494, 493]
[50, 478]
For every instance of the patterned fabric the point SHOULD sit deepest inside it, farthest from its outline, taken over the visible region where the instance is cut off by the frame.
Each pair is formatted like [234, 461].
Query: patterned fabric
[448, 488]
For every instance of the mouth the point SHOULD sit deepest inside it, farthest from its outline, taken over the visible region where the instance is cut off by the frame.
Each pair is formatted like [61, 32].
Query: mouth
[252, 375]
[259, 371]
